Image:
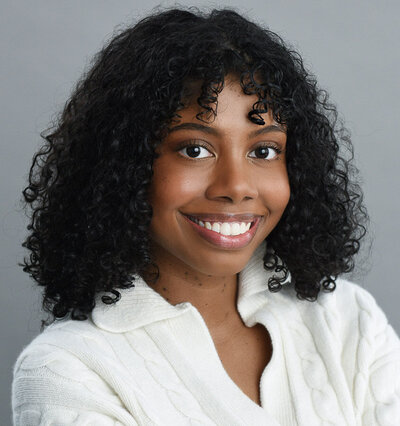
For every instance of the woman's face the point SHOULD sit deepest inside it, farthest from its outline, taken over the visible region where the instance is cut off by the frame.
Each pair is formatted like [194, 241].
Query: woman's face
[223, 172]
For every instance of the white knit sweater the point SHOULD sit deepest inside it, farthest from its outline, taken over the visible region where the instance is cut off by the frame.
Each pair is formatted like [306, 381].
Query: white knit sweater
[144, 361]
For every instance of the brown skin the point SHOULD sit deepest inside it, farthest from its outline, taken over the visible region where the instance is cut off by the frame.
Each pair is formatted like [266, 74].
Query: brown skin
[226, 177]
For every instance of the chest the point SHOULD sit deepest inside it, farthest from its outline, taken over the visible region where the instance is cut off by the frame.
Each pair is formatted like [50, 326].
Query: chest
[245, 357]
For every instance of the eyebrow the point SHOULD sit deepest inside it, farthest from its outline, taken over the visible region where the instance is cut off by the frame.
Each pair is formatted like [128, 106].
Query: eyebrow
[212, 131]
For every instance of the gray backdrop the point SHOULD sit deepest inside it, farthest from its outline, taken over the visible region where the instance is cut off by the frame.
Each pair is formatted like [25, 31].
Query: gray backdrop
[352, 46]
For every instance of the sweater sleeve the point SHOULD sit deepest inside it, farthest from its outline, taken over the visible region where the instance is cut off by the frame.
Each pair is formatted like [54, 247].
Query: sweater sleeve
[382, 371]
[51, 386]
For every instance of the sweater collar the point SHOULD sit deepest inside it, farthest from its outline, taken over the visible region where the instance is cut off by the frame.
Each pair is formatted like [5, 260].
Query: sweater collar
[141, 305]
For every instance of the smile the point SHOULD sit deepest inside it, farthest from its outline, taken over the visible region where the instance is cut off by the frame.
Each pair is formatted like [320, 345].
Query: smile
[226, 234]
[224, 228]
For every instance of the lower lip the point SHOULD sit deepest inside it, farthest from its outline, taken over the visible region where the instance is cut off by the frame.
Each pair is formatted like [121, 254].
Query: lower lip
[226, 241]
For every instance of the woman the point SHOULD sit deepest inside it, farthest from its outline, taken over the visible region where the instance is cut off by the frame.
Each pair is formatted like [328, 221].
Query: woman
[192, 212]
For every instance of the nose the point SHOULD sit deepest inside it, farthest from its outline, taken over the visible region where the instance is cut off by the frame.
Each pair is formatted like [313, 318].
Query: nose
[232, 181]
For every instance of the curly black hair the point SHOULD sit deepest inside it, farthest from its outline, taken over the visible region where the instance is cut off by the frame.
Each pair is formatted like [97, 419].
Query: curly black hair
[88, 184]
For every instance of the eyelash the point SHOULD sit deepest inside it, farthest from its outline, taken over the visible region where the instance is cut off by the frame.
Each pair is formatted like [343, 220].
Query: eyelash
[197, 143]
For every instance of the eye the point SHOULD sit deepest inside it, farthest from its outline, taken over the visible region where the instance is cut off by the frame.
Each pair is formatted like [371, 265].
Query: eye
[195, 150]
[266, 152]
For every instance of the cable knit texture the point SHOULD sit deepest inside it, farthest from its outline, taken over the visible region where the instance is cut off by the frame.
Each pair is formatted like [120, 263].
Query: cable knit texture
[144, 361]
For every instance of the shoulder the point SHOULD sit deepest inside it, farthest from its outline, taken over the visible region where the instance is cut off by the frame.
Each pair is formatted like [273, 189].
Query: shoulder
[355, 306]
[348, 301]
[371, 348]
[354, 314]
[60, 375]
[350, 291]
[65, 350]
[345, 335]
[62, 338]
[349, 319]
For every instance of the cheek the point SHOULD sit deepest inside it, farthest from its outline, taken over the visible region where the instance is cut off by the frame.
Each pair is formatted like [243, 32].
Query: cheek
[276, 194]
[284, 191]
[172, 186]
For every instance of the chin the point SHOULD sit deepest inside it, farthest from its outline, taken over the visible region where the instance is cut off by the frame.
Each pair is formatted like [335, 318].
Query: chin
[225, 264]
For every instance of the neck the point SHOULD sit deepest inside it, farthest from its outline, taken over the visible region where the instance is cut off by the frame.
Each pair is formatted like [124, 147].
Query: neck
[215, 297]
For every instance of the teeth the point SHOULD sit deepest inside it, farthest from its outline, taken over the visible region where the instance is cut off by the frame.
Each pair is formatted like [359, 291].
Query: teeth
[235, 229]
[216, 227]
[225, 228]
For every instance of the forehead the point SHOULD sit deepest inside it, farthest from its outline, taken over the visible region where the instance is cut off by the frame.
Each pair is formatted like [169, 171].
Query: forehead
[192, 89]
[232, 107]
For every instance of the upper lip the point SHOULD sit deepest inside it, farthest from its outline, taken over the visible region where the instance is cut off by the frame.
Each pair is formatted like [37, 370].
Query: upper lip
[225, 217]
